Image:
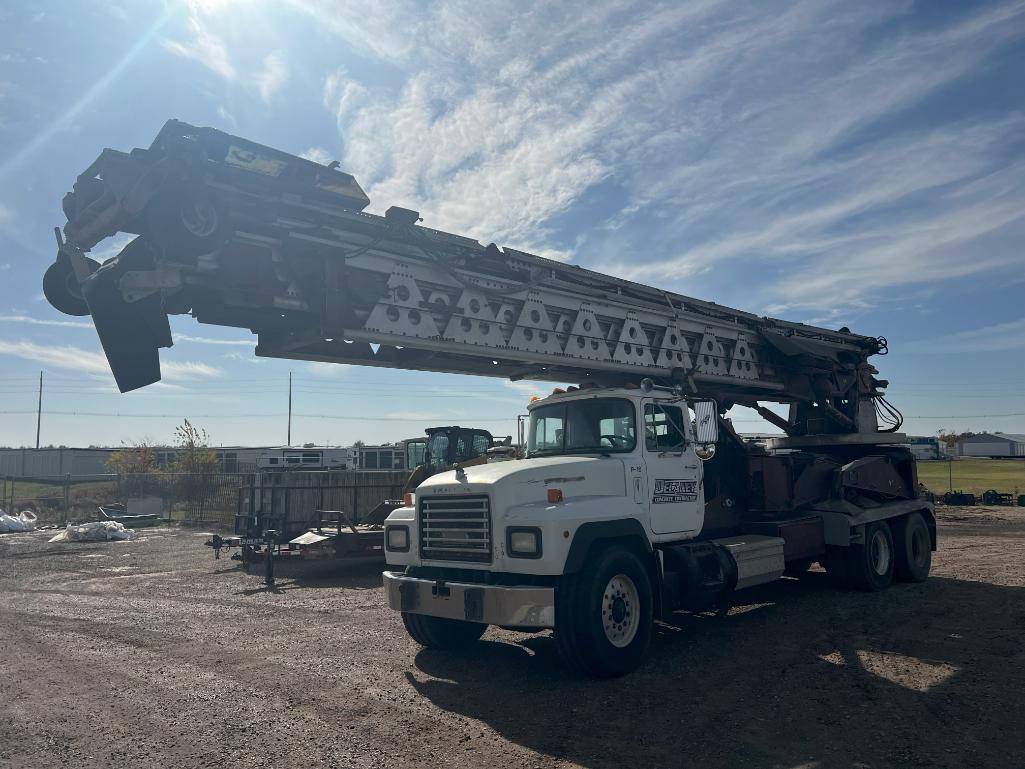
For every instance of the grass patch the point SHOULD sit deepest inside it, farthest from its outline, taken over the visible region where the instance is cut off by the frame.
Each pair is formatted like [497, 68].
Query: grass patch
[973, 475]
[55, 490]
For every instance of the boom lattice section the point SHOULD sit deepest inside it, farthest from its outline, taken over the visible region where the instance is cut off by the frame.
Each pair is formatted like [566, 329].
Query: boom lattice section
[243, 235]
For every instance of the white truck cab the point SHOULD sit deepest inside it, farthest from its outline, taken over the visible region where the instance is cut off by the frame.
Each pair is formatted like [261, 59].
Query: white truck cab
[608, 473]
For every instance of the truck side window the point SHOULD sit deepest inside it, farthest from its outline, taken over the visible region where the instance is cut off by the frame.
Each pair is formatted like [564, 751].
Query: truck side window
[663, 428]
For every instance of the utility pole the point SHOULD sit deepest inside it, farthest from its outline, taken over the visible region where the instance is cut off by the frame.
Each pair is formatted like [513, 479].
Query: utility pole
[289, 441]
[39, 410]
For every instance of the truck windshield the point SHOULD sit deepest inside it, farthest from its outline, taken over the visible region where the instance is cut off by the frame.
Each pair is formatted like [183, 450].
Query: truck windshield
[595, 425]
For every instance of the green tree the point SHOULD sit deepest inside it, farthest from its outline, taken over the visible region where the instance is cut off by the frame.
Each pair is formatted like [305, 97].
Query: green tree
[195, 466]
[137, 470]
[951, 438]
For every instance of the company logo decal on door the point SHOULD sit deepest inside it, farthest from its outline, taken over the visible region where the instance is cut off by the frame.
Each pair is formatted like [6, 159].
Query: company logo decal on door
[673, 490]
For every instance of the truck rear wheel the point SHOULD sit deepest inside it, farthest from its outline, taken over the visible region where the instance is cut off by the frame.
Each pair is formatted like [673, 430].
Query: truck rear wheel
[913, 547]
[442, 633]
[870, 566]
[603, 614]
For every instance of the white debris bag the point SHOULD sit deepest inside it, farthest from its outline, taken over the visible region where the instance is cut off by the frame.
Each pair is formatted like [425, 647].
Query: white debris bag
[97, 531]
[23, 521]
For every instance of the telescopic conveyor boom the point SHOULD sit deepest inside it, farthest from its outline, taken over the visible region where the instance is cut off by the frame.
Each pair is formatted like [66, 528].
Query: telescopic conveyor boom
[242, 235]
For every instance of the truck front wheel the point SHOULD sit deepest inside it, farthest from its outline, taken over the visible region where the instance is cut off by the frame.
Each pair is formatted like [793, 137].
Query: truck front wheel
[603, 614]
[441, 633]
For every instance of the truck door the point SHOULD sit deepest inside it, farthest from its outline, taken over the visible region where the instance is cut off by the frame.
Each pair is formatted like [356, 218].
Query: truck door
[673, 470]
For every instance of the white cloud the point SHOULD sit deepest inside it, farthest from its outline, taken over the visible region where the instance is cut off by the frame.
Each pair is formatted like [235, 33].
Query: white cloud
[208, 340]
[342, 94]
[272, 76]
[995, 338]
[722, 132]
[5, 266]
[245, 358]
[88, 325]
[111, 247]
[6, 217]
[386, 31]
[317, 155]
[227, 117]
[73, 358]
[209, 48]
[44, 321]
[205, 47]
[317, 368]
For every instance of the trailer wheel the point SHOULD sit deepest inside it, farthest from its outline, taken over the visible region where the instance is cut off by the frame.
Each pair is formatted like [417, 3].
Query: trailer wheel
[441, 633]
[870, 566]
[913, 547]
[61, 289]
[603, 614]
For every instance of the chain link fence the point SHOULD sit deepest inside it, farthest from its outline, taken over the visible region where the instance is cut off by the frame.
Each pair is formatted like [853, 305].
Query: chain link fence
[214, 498]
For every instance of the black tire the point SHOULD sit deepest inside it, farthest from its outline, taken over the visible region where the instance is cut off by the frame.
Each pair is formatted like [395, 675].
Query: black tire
[61, 289]
[870, 566]
[912, 545]
[603, 614]
[187, 222]
[441, 633]
[798, 568]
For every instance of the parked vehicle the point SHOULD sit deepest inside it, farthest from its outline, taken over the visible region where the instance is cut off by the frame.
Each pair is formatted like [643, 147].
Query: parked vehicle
[636, 496]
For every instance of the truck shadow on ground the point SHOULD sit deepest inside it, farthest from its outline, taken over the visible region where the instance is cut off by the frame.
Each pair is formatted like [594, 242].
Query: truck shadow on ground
[800, 674]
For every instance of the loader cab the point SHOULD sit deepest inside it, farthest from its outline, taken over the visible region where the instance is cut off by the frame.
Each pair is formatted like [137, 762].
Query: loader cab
[446, 446]
[651, 433]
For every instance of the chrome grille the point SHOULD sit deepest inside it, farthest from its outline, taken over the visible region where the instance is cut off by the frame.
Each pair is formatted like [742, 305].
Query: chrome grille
[455, 528]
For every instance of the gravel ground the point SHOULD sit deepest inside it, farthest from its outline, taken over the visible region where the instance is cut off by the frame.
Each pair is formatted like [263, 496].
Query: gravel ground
[152, 654]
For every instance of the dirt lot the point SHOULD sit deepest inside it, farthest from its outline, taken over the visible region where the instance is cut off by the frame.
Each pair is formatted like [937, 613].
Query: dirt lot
[152, 654]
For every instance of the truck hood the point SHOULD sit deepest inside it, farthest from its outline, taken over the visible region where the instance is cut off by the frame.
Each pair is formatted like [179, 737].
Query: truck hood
[575, 476]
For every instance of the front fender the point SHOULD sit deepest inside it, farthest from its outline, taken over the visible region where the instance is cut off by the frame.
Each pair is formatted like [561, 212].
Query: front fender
[568, 530]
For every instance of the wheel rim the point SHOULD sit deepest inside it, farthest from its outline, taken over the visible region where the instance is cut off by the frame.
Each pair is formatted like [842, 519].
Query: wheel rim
[880, 553]
[620, 610]
[199, 218]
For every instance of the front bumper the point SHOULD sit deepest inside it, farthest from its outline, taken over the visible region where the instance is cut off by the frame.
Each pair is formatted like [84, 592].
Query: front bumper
[490, 604]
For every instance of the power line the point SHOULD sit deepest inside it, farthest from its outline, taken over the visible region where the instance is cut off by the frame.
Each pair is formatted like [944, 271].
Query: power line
[258, 416]
[274, 415]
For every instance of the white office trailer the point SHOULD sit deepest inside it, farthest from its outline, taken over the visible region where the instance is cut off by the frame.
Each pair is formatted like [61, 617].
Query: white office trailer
[925, 447]
[390, 456]
[308, 458]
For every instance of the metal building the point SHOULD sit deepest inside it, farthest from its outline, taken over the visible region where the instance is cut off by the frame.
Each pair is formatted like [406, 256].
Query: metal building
[53, 463]
[996, 445]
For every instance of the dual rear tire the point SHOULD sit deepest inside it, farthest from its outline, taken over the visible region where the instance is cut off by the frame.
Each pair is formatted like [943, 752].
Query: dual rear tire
[900, 548]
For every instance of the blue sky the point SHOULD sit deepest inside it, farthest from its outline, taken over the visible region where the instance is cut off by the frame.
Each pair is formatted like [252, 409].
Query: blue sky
[857, 164]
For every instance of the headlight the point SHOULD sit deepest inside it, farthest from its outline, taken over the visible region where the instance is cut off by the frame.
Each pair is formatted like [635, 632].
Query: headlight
[397, 538]
[523, 542]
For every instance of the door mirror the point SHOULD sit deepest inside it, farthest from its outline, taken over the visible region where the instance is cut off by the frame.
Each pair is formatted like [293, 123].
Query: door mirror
[706, 418]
